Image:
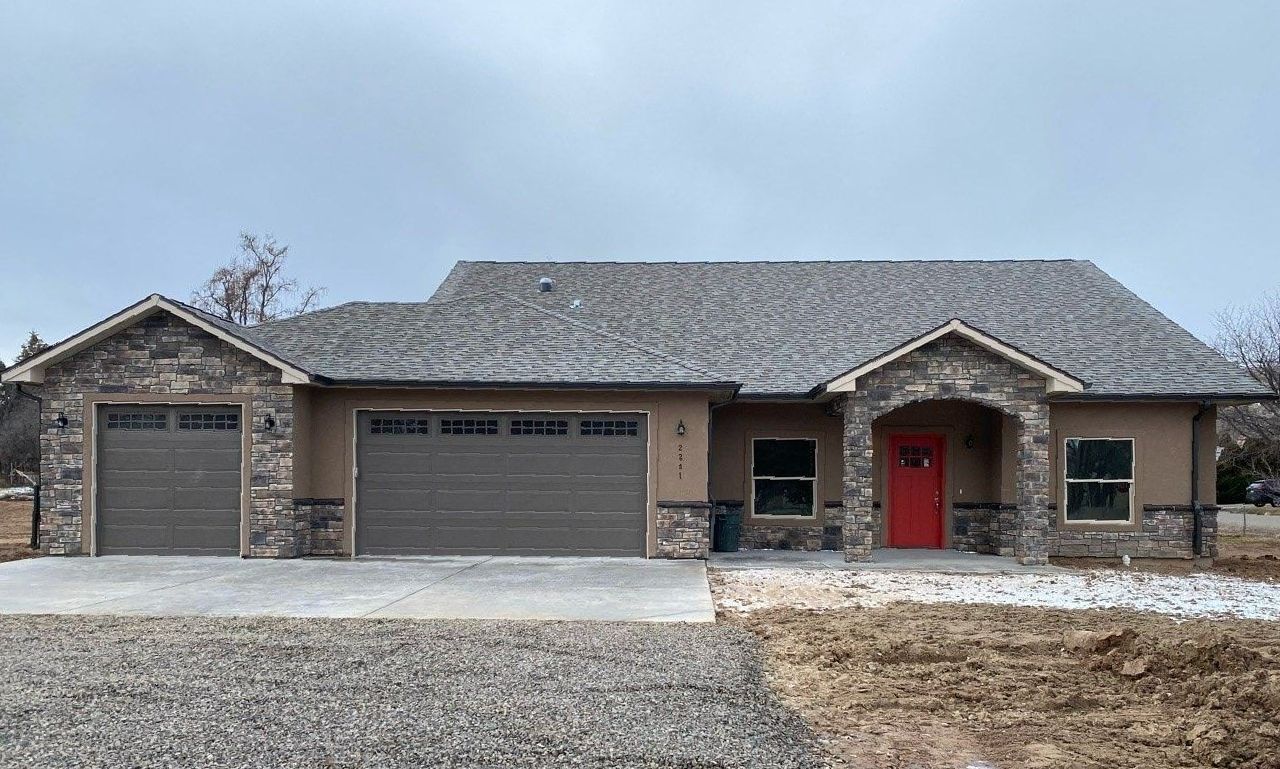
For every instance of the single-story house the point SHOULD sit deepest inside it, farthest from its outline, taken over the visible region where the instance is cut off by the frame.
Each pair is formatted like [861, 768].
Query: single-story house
[1022, 408]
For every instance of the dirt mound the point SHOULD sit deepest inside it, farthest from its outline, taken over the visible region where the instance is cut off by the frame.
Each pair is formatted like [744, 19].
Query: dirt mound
[1231, 686]
[953, 686]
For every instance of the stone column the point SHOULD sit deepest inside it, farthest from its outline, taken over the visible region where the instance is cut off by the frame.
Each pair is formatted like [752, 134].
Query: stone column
[859, 526]
[1031, 528]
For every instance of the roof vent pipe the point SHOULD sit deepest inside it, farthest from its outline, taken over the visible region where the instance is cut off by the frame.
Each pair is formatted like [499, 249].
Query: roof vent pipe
[546, 284]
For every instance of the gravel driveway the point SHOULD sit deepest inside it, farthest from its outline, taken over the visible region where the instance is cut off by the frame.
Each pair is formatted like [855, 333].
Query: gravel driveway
[151, 692]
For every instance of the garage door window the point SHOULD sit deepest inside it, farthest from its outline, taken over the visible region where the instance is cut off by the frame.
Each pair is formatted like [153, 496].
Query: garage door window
[137, 421]
[398, 426]
[217, 421]
[539, 427]
[609, 427]
[469, 426]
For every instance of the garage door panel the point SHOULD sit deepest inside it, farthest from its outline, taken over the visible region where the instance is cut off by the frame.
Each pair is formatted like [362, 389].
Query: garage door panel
[220, 500]
[502, 493]
[521, 463]
[135, 458]
[175, 490]
[392, 500]
[211, 459]
[118, 498]
[469, 462]
[122, 539]
[397, 462]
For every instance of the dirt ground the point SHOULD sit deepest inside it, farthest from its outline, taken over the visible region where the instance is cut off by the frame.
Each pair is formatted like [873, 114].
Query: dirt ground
[1252, 557]
[938, 685]
[15, 531]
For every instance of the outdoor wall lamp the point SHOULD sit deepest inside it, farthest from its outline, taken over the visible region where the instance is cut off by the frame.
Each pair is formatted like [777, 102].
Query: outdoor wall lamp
[680, 428]
[269, 422]
[60, 421]
[968, 441]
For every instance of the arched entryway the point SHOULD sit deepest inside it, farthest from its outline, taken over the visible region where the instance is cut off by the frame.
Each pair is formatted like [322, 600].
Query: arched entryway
[951, 370]
[944, 476]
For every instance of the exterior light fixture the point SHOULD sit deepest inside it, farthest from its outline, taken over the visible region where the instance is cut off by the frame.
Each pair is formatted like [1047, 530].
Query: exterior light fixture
[60, 421]
[968, 441]
[680, 428]
[269, 422]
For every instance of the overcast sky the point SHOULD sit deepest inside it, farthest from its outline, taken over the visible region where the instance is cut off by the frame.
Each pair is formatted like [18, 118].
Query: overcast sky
[385, 141]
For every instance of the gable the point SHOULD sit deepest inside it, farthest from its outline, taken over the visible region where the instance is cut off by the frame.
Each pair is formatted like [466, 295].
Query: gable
[33, 369]
[1055, 380]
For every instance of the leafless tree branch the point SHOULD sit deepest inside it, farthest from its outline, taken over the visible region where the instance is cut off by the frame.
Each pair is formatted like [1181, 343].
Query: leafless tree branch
[253, 287]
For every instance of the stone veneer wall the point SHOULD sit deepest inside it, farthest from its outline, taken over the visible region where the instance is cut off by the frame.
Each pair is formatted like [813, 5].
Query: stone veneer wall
[684, 529]
[162, 354]
[980, 527]
[1168, 531]
[949, 368]
[326, 519]
[819, 536]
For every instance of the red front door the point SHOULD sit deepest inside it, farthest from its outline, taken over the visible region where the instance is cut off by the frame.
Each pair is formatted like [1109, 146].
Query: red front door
[915, 490]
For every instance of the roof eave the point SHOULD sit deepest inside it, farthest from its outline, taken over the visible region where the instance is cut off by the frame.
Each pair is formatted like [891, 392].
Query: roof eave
[529, 385]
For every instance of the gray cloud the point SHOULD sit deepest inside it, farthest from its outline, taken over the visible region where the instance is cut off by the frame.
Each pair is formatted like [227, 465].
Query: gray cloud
[384, 141]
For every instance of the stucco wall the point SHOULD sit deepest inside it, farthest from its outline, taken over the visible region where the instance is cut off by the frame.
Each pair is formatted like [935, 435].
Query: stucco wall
[678, 464]
[1162, 446]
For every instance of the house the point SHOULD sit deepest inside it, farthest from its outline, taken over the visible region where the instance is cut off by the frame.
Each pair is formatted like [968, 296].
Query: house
[1023, 408]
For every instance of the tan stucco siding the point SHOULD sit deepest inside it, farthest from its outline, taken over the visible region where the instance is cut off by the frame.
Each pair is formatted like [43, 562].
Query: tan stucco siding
[737, 423]
[677, 464]
[1162, 446]
[302, 442]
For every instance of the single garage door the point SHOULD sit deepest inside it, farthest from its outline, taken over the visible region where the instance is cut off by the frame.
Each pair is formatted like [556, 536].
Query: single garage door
[506, 483]
[168, 480]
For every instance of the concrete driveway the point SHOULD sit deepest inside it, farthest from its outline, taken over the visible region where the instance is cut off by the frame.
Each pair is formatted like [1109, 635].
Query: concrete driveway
[480, 587]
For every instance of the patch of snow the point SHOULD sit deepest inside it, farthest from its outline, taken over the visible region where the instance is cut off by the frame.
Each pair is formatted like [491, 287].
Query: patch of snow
[1199, 595]
[17, 492]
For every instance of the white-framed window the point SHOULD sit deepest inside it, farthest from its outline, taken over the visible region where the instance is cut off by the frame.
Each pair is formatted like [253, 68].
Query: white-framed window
[1098, 479]
[784, 477]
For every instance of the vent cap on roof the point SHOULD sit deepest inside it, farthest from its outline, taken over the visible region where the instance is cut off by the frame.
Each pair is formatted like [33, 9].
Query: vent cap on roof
[546, 284]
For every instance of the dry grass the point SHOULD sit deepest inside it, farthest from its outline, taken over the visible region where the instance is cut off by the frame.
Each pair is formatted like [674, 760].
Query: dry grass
[15, 531]
[930, 685]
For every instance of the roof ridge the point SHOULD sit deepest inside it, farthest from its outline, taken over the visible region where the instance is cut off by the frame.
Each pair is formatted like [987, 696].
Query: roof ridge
[979, 260]
[615, 337]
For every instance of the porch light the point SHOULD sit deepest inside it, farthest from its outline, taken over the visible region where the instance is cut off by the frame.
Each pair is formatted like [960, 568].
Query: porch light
[680, 428]
[269, 422]
[968, 441]
[60, 421]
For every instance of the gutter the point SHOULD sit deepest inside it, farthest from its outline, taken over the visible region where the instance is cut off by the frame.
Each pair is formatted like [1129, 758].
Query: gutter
[1197, 533]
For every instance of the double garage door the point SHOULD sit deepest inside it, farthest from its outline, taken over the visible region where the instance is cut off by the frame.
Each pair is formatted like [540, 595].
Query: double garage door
[168, 480]
[512, 483]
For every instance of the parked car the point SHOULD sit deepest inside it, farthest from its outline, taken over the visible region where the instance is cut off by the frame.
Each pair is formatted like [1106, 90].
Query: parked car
[1260, 493]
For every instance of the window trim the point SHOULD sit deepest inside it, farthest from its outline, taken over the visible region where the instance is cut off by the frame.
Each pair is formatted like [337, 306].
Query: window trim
[1133, 518]
[752, 477]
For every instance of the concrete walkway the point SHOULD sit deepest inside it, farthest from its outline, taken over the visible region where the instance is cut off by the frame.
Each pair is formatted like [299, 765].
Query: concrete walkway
[882, 559]
[480, 587]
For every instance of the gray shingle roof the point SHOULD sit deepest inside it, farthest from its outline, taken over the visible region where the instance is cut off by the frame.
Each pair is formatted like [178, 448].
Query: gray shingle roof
[781, 328]
[488, 337]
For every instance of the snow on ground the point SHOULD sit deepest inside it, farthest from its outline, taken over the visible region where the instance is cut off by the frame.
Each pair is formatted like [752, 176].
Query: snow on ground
[1200, 595]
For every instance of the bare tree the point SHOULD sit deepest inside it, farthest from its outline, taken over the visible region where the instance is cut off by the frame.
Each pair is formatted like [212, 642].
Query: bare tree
[253, 287]
[1250, 336]
[19, 421]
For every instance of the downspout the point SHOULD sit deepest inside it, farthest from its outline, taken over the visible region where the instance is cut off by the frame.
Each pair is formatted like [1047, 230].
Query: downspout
[1197, 509]
[35, 487]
